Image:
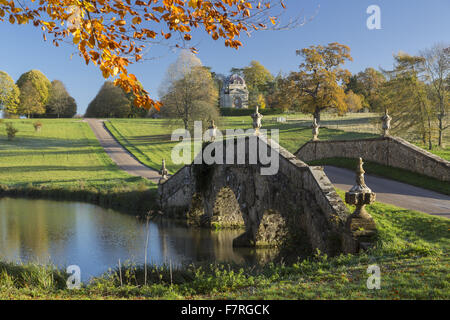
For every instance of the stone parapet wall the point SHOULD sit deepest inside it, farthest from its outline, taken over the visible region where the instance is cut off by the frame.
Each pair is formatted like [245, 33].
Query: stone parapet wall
[324, 213]
[298, 203]
[388, 151]
[177, 191]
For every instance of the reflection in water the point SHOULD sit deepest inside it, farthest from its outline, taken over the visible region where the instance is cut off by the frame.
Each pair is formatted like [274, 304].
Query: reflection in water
[66, 233]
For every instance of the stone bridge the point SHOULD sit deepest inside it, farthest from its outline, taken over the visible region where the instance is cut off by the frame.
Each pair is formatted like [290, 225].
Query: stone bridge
[295, 207]
[388, 151]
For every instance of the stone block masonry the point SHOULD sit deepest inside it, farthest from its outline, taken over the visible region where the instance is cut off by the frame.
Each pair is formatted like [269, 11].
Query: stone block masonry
[296, 207]
[389, 151]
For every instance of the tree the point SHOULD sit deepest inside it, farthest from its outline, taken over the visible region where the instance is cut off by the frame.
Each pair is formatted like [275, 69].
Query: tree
[354, 101]
[407, 98]
[110, 102]
[437, 71]
[368, 83]
[284, 94]
[261, 101]
[135, 111]
[189, 92]
[30, 100]
[60, 104]
[113, 33]
[321, 78]
[257, 78]
[34, 92]
[9, 94]
[220, 80]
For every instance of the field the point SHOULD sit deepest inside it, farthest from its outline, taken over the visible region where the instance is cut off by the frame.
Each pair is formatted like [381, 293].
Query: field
[149, 140]
[63, 160]
[411, 252]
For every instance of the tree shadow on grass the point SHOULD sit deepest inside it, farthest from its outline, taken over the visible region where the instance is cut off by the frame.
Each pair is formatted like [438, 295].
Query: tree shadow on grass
[31, 142]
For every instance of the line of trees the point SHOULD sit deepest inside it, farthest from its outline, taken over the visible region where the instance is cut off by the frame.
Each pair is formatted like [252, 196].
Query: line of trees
[34, 96]
[113, 102]
[415, 91]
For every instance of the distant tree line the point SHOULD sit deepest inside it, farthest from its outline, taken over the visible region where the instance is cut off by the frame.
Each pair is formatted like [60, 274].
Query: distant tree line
[415, 91]
[112, 102]
[34, 96]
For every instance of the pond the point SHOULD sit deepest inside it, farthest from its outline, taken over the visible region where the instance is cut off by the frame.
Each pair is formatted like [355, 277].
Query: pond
[72, 233]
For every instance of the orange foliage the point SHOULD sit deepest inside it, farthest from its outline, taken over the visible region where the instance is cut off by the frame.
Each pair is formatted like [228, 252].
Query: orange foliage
[113, 33]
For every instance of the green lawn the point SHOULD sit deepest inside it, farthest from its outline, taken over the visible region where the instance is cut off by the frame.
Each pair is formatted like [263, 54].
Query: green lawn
[63, 158]
[444, 153]
[149, 140]
[411, 251]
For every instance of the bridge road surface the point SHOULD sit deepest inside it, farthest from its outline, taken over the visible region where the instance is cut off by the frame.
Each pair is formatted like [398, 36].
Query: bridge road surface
[393, 192]
[119, 154]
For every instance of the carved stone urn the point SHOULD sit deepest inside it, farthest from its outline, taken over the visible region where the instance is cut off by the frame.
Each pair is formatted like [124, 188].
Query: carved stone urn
[212, 131]
[257, 120]
[315, 130]
[386, 126]
[361, 224]
[163, 172]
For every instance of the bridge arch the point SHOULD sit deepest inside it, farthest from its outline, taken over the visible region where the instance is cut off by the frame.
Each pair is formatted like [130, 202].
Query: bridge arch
[298, 202]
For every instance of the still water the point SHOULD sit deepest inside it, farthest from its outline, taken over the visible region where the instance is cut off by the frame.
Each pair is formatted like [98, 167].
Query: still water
[94, 238]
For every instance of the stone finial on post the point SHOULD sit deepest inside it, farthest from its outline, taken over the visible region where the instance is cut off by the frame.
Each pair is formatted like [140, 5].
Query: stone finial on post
[361, 224]
[163, 172]
[257, 120]
[386, 123]
[212, 131]
[315, 130]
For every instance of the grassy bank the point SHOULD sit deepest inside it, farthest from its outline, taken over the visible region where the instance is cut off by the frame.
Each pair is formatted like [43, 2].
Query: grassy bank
[401, 175]
[412, 253]
[65, 161]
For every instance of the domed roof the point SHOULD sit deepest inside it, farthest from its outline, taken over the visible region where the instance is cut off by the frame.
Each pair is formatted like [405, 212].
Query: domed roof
[236, 79]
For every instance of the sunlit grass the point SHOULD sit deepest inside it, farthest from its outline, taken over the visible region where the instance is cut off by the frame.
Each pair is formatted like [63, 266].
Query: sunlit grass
[149, 140]
[65, 161]
[63, 153]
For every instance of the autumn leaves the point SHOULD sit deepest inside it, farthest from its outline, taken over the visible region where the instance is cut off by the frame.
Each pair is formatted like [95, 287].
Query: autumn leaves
[113, 33]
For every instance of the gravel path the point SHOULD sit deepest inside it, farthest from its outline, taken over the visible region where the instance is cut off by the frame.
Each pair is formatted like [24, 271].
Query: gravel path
[393, 192]
[125, 160]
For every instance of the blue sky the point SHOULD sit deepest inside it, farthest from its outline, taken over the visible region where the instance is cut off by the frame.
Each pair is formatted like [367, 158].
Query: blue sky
[407, 25]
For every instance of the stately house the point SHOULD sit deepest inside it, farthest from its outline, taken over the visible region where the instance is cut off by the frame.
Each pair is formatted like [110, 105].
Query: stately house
[234, 93]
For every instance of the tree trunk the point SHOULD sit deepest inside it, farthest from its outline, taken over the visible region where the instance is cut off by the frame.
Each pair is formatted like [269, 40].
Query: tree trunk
[430, 144]
[317, 115]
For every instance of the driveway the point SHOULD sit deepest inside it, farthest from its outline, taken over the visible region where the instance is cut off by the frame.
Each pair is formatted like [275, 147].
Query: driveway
[393, 192]
[125, 160]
